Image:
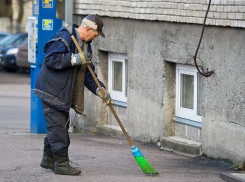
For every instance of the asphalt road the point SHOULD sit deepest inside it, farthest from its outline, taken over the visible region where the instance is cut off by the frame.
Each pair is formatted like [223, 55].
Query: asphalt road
[101, 158]
[21, 77]
[15, 99]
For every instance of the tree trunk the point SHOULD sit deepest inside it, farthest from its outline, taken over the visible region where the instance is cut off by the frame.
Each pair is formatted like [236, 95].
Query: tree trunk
[21, 12]
[5, 8]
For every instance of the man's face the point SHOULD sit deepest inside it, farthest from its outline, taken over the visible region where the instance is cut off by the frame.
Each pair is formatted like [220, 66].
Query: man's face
[90, 34]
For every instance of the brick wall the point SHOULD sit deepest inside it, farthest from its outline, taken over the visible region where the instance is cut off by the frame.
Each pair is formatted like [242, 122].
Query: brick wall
[221, 13]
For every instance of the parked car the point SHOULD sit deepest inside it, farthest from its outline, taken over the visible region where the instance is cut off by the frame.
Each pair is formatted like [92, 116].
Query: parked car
[22, 55]
[3, 35]
[9, 49]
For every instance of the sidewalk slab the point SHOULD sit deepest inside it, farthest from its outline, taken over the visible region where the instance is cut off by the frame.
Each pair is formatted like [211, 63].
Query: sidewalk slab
[233, 177]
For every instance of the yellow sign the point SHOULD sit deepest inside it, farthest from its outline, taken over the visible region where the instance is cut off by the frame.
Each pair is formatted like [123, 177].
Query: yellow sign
[47, 3]
[47, 24]
[35, 7]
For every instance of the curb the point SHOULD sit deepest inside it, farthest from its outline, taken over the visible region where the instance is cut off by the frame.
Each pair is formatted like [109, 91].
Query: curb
[233, 177]
[181, 145]
[110, 130]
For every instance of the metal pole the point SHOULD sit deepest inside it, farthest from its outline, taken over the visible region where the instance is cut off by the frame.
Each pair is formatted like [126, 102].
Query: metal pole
[68, 12]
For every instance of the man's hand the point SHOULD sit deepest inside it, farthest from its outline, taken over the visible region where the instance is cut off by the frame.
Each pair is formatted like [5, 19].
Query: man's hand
[78, 59]
[106, 98]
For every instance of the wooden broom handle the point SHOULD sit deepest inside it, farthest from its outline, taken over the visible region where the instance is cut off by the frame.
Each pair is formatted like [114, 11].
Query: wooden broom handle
[102, 91]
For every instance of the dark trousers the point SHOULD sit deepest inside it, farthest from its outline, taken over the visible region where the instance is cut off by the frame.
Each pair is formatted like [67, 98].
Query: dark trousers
[57, 136]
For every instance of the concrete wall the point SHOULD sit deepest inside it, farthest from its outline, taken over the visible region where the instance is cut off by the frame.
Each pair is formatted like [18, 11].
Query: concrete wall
[143, 30]
[223, 107]
[149, 45]
[145, 97]
[223, 131]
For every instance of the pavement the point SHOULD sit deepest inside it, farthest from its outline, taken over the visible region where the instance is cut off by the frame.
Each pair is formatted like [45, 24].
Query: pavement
[101, 158]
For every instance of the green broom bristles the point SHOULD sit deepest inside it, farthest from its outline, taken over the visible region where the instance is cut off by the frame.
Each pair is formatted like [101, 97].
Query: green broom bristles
[143, 163]
[146, 166]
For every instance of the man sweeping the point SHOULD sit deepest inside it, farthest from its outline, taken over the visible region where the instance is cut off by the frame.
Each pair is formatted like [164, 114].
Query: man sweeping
[60, 86]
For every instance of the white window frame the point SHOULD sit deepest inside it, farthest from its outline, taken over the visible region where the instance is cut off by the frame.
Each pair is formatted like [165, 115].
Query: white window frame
[117, 95]
[185, 112]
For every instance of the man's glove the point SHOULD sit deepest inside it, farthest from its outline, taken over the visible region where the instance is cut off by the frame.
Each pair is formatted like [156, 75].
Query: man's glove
[106, 98]
[78, 59]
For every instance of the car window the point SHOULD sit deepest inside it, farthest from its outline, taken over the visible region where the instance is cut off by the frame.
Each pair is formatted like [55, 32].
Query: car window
[8, 40]
[2, 36]
[24, 42]
[19, 40]
[12, 39]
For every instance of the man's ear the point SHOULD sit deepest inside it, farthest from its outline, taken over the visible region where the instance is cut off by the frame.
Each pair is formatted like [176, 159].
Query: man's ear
[88, 28]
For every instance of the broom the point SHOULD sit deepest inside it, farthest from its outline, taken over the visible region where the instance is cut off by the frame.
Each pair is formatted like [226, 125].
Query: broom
[143, 163]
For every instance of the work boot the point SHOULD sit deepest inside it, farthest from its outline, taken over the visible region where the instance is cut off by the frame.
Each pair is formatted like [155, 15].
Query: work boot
[62, 166]
[47, 161]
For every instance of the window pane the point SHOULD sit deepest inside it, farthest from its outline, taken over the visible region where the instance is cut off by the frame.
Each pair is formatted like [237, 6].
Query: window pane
[199, 94]
[117, 76]
[187, 91]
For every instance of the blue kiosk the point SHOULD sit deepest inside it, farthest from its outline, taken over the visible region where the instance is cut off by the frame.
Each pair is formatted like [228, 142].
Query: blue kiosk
[42, 26]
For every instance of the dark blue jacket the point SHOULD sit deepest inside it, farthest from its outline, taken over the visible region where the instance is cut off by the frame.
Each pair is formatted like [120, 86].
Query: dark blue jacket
[55, 81]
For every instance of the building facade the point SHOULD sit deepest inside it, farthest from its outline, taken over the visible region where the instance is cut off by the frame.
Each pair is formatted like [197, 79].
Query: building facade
[146, 62]
[14, 14]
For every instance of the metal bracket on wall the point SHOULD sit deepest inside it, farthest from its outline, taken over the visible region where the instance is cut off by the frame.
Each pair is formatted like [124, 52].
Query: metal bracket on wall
[201, 70]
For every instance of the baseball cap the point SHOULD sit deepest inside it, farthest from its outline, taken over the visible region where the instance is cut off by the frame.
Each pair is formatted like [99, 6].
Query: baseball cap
[94, 22]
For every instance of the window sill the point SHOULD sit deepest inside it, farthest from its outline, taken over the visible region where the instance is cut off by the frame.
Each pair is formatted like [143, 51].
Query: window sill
[119, 103]
[188, 122]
